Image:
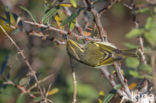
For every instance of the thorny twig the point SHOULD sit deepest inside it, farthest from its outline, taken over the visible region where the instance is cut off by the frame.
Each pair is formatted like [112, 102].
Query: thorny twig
[122, 80]
[24, 58]
[109, 77]
[62, 31]
[102, 32]
[23, 90]
[77, 25]
[108, 7]
[132, 7]
[103, 36]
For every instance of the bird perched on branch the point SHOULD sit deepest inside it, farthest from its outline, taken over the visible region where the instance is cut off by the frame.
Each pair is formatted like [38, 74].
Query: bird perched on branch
[96, 54]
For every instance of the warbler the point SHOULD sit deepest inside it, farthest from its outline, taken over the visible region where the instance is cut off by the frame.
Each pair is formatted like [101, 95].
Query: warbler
[97, 54]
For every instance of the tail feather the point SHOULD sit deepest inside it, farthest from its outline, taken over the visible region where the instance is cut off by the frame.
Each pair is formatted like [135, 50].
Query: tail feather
[128, 52]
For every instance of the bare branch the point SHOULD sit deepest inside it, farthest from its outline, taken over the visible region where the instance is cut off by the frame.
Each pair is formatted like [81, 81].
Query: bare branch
[97, 18]
[122, 80]
[24, 58]
[62, 31]
[74, 81]
[111, 80]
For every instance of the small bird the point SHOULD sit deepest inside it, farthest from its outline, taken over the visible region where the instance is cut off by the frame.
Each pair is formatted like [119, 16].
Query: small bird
[97, 54]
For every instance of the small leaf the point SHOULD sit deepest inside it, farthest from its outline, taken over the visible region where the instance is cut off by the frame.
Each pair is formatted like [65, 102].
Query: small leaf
[37, 99]
[58, 21]
[130, 45]
[110, 95]
[53, 91]
[65, 5]
[24, 81]
[146, 68]
[30, 14]
[72, 24]
[132, 62]
[148, 23]
[87, 33]
[134, 33]
[151, 37]
[144, 10]
[15, 31]
[132, 86]
[135, 74]
[49, 14]
[74, 3]
[4, 64]
[101, 96]
[71, 18]
[21, 98]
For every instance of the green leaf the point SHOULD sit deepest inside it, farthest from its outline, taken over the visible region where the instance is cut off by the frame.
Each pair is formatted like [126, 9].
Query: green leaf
[130, 45]
[146, 68]
[71, 18]
[134, 33]
[74, 3]
[72, 24]
[37, 99]
[30, 14]
[21, 98]
[148, 23]
[15, 31]
[110, 95]
[144, 11]
[132, 62]
[49, 14]
[155, 10]
[151, 37]
[135, 74]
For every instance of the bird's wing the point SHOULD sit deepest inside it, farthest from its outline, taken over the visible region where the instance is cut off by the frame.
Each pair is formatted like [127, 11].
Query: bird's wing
[105, 46]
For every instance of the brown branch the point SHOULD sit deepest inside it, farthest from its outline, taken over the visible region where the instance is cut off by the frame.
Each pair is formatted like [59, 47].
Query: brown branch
[111, 80]
[77, 25]
[141, 50]
[122, 80]
[111, 3]
[21, 88]
[24, 58]
[132, 7]
[97, 18]
[62, 31]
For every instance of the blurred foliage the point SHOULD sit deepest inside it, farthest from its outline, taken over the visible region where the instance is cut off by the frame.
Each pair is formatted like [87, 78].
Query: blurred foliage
[49, 58]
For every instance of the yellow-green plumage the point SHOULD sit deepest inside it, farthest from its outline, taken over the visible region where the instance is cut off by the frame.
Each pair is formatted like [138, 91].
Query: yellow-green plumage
[97, 54]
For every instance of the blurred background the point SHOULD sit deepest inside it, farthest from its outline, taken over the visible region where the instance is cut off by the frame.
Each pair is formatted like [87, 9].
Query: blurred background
[48, 58]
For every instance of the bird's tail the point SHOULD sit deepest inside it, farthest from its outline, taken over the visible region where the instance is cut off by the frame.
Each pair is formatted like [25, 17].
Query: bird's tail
[128, 52]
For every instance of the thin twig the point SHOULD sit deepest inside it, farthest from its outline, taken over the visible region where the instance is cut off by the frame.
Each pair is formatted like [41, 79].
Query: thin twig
[122, 80]
[24, 58]
[153, 59]
[74, 81]
[21, 88]
[143, 58]
[111, 80]
[77, 25]
[132, 7]
[62, 31]
[39, 82]
[97, 18]
[107, 7]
